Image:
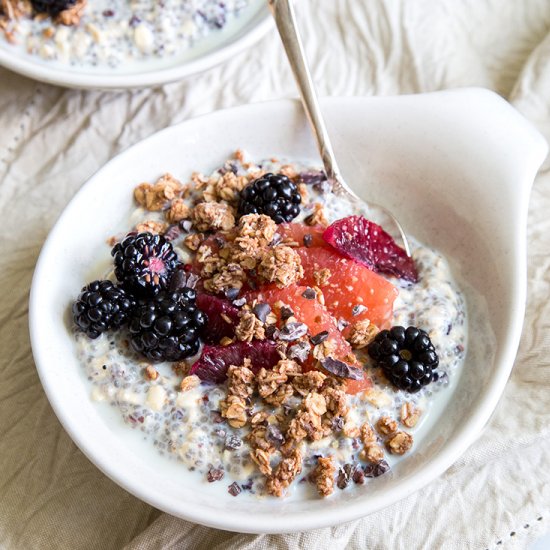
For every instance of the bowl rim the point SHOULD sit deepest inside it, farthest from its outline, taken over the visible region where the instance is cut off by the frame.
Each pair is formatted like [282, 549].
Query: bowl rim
[38, 70]
[464, 436]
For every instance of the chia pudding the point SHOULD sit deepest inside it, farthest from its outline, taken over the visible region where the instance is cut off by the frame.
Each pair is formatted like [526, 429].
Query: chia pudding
[293, 362]
[112, 33]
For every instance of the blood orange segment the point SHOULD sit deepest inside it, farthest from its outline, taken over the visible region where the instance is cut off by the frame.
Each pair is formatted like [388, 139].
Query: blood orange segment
[214, 361]
[223, 317]
[367, 243]
[352, 291]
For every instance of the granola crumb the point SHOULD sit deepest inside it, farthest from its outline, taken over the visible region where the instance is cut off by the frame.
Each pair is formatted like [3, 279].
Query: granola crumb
[302, 189]
[309, 381]
[409, 415]
[257, 226]
[281, 265]
[386, 425]
[228, 276]
[362, 334]
[372, 453]
[189, 382]
[249, 327]
[336, 399]
[240, 387]
[151, 226]
[213, 216]
[351, 430]
[151, 373]
[193, 241]
[269, 381]
[280, 396]
[285, 473]
[400, 443]
[71, 16]
[228, 186]
[263, 460]
[323, 474]
[322, 276]
[318, 216]
[178, 211]
[367, 434]
[158, 196]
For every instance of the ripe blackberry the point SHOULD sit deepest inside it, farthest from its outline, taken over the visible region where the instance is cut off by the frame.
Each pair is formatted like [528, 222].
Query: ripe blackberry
[52, 7]
[273, 195]
[167, 326]
[407, 357]
[144, 263]
[101, 306]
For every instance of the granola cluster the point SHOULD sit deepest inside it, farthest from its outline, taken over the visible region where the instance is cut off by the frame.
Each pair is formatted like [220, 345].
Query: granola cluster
[239, 390]
[248, 252]
[299, 406]
[362, 333]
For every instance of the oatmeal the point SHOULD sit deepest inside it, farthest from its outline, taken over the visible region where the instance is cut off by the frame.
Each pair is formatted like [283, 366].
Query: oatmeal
[248, 341]
[112, 33]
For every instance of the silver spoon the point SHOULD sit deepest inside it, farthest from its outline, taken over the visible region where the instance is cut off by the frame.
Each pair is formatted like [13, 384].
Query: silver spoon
[285, 19]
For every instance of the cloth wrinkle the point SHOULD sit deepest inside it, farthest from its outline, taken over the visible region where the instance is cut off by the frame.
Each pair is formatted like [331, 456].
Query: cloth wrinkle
[52, 140]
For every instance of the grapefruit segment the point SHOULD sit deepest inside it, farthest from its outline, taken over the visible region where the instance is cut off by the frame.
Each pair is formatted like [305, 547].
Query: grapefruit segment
[352, 292]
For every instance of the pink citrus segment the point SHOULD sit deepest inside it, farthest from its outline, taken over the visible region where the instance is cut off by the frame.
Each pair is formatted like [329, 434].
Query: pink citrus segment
[303, 234]
[318, 319]
[215, 360]
[352, 292]
[367, 243]
[223, 317]
[307, 311]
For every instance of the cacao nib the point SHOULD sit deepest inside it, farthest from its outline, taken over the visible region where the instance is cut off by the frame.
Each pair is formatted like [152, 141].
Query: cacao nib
[319, 338]
[309, 294]
[214, 474]
[262, 310]
[299, 351]
[293, 331]
[274, 436]
[234, 489]
[341, 369]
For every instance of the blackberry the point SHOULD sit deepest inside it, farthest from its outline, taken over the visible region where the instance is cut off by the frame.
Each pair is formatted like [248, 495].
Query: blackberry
[52, 7]
[407, 357]
[101, 306]
[144, 263]
[167, 326]
[273, 195]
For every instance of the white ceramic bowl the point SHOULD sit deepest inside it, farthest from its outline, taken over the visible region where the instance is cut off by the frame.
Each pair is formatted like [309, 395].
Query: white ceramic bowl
[455, 167]
[217, 47]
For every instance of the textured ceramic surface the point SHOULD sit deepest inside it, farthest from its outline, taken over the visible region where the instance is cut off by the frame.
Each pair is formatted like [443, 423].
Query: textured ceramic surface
[217, 47]
[455, 167]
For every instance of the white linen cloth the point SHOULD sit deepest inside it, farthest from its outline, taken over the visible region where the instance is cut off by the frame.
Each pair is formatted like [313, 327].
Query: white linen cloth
[51, 140]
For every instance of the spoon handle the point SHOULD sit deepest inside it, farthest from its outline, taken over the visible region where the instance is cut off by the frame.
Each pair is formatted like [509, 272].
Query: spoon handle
[283, 13]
